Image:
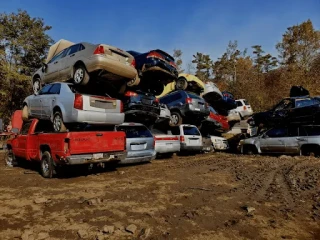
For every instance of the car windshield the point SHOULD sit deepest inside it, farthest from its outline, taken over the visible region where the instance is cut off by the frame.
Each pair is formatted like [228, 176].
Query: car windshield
[135, 131]
[191, 131]
[246, 102]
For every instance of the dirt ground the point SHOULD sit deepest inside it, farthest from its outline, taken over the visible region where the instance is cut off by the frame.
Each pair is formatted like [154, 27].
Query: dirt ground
[210, 196]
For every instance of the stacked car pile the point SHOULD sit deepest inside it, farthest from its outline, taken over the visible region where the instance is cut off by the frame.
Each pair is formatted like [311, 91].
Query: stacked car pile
[88, 91]
[288, 128]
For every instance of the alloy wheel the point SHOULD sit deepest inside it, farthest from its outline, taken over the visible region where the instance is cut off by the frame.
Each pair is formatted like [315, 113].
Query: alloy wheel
[78, 75]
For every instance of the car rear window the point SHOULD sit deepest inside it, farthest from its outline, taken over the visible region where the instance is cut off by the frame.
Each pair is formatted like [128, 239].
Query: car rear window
[135, 131]
[194, 96]
[191, 131]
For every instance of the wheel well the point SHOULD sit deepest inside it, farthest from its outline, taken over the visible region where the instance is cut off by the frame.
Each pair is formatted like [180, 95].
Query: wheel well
[246, 147]
[44, 148]
[36, 76]
[24, 104]
[9, 146]
[79, 63]
[56, 109]
[309, 147]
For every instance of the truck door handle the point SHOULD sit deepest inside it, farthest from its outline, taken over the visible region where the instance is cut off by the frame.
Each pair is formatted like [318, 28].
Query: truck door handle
[71, 55]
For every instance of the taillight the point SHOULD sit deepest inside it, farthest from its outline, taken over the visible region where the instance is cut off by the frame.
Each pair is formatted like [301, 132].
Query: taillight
[173, 64]
[66, 145]
[156, 100]
[189, 100]
[155, 55]
[99, 50]
[130, 94]
[244, 108]
[121, 106]
[181, 138]
[133, 63]
[78, 101]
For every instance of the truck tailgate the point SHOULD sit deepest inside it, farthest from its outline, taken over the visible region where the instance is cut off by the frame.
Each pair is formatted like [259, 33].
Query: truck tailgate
[96, 142]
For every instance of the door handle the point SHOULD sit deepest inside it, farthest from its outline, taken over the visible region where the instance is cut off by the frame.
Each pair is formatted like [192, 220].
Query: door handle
[53, 100]
[71, 55]
[55, 62]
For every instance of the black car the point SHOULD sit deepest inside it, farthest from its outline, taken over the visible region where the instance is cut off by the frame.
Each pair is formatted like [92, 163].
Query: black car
[185, 107]
[155, 66]
[289, 110]
[140, 107]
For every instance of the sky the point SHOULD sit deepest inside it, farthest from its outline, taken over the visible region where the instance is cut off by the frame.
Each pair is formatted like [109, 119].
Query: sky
[192, 26]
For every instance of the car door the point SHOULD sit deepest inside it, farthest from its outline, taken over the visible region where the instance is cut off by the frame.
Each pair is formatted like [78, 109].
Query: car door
[49, 100]
[305, 109]
[72, 55]
[292, 140]
[51, 73]
[273, 141]
[21, 148]
[36, 102]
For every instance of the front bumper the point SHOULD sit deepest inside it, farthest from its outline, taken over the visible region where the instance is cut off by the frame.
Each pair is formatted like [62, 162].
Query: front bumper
[94, 158]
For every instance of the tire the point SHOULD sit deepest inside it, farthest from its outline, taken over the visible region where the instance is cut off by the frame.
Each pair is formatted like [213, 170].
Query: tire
[25, 113]
[57, 122]
[10, 159]
[167, 155]
[181, 84]
[134, 82]
[80, 75]
[176, 119]
[250, 150]
[36, 85]
[46, 165]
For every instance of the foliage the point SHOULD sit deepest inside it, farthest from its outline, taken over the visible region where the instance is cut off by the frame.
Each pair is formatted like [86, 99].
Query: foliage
[23, 46]
[177, 53]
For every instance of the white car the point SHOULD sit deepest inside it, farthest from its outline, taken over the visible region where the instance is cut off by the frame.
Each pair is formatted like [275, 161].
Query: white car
[219, 143]
[233, 116]
[165, 144]
[244, 108]
[190, 138]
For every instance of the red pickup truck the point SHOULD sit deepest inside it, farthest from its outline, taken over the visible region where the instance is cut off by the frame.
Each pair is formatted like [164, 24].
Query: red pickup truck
[35, 141]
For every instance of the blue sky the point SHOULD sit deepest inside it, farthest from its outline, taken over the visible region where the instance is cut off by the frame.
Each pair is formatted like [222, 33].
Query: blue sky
[193, 26]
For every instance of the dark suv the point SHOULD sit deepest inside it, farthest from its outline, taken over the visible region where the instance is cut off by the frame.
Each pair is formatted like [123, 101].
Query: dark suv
[289, 110]
[185, 106]
[140, 107]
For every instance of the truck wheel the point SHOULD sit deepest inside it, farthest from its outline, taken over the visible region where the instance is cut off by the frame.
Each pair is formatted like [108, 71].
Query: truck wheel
[46, 165]
[181, 84]
[176, 119]
[80, 75]
[134, 82]
[58, 124]
[10, 159]
[25, 114]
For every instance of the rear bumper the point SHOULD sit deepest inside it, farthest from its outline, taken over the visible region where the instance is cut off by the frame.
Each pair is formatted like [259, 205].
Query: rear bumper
[163, 147]
[137, 157]
[154, 65]
[220, 146]
[90, 158]
[100, 62]
[93, 117]
[188, 148]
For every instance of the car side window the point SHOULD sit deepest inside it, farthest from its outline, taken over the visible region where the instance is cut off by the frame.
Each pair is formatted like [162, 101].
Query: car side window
[293, 132]
[25, 128]
[45, 89]
[276, 133]
[55, 89]
[304, 103]
[239, 103]
[59, 56]
[73, 49]
[44, 126]
[175, 97]
[302, 131]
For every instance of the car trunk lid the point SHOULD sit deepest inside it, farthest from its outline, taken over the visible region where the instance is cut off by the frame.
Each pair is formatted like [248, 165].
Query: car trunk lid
[101, 104]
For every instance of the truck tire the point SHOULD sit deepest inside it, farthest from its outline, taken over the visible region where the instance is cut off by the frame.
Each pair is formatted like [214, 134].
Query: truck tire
[46, 165]
[58, 124]
[25, 114]
[181, 84]
[9, 158]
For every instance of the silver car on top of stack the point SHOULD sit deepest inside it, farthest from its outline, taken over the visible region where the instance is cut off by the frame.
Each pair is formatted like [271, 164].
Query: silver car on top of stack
[67, 60]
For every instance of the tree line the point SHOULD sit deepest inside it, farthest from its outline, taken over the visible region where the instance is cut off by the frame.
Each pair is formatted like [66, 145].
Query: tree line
[261, 78]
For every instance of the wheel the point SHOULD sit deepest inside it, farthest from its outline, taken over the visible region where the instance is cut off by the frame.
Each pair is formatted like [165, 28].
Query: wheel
[25, 113]
[176, 119]
[167, 155]
[250, 150]
[46, 165]
[36, 85]
[181, 84]
[58, 124]
[134, 82]
[80, 75]
[10, 159]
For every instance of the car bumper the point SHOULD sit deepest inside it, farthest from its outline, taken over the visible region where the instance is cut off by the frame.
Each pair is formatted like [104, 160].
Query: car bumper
[220, 146]
[233, 117]
[167, 147]
[155, 65]
[139, 156]
[92, 117]
[93, 158]
[101, 62]
[192, 148]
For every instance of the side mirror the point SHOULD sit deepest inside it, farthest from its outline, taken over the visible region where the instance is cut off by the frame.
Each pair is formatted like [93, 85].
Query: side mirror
[44, 67]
